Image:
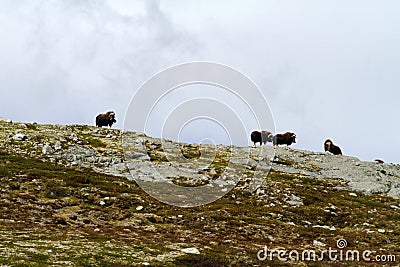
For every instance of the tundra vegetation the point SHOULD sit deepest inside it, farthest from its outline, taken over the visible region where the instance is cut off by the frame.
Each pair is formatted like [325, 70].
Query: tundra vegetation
[60, 210]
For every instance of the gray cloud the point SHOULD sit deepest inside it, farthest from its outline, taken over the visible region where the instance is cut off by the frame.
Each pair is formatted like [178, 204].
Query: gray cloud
[65, 61]
[327, 69]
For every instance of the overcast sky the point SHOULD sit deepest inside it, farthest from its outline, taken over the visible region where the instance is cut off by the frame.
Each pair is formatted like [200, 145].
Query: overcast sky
[328, 69]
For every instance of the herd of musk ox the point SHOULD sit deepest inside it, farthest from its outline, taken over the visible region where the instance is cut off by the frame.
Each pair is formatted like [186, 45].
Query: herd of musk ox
[288, 138]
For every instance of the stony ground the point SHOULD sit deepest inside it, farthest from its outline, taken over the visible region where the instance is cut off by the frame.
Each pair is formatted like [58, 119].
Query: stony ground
[68, 199]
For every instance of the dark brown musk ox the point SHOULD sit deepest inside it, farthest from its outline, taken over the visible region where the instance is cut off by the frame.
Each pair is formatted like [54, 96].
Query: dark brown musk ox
[106, 119]
[331, 147]
[261, 137]
[287, 139]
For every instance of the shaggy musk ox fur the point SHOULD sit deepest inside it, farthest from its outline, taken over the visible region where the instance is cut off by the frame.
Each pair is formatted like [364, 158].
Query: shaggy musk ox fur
[266, 136]
[331, 147]
[255, 137]
[105, 119]
[261, 137]
[284, 139]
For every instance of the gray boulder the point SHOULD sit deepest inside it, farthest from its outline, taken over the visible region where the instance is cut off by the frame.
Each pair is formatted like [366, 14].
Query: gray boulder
[57, 145]
[47, 149]
[20, 137]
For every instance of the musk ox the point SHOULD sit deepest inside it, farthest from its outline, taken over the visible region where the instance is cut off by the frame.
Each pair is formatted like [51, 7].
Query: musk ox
[287, 139]
[255, 137]
[261, 137]
[331, 147]
[379, 161]
[266, 136]
[105, 119]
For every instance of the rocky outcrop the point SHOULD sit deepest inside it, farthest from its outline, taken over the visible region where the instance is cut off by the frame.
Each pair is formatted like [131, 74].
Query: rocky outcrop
[153, 159]
[55, 210]
[6, 120]
[362, 176]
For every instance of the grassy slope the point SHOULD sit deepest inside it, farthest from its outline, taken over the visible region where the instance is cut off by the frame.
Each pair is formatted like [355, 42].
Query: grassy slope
[52, 215]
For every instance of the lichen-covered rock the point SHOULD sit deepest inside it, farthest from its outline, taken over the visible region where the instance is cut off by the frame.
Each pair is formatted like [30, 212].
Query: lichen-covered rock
[47, 149]
[152, 159]
[20, 137]
[365, 177]
[5, 120]
[57, 145]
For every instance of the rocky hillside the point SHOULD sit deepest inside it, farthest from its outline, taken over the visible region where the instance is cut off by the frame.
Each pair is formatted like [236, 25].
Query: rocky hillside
[68, 199]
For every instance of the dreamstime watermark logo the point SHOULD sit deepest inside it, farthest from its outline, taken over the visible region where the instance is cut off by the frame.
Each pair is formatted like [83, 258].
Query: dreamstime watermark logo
[331, 254]
[156, 178]
[341, 243]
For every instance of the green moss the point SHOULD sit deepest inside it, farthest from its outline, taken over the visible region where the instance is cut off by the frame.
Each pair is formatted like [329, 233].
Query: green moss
[78, 180]
[31, 126]
[55, 189]
[37, 257]
[284, 161]
[191, 151]
[155, 152]
[218, 166]
[95, 142]
[188, 182]
[311, 167]
[4, 172]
